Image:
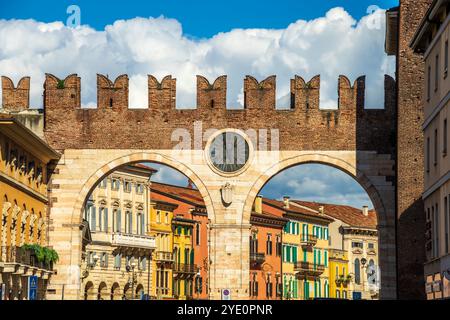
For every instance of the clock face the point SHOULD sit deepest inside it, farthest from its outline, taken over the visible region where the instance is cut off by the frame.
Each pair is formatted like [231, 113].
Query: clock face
[229, 152]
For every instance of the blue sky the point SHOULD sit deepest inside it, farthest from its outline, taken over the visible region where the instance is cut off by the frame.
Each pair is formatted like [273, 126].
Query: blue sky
[211, 38]
[309, 182]
[200, 18]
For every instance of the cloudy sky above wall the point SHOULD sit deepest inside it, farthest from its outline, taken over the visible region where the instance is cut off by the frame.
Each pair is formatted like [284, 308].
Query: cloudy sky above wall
[211, 38]
[317, 39]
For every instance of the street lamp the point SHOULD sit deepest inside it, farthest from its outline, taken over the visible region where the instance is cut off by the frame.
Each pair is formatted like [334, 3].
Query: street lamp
[363, 263]
[132, 281]
[197, 283]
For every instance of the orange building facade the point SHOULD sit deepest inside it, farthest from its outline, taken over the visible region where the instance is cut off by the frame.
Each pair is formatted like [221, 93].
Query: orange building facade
[265, 253]
[190, 205]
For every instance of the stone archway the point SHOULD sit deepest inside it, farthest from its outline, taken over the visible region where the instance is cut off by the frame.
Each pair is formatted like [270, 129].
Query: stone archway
[115, 292]
[89, 292]
[87, 177]
[382, 199]
[102, 292]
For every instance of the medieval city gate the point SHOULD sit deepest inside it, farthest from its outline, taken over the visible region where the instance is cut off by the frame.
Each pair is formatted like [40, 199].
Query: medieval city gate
[95, 142]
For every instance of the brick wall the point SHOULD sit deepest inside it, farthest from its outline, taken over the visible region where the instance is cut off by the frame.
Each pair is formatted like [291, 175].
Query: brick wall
[304, 127]
[410, 213]
[15, 99]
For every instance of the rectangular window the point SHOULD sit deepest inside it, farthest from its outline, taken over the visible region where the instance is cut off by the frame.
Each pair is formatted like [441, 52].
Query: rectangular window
[436, 76]
[117, 261]
[436, 231]
[357, 245]
[446, 214]
[446, 59]
[444, 138]
[435, 147]
[279, 246]
[269, 245]
[428, 154]
[429, 84]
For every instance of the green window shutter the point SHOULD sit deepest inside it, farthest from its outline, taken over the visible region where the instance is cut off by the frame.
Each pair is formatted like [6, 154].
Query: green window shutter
[305, 256]
[315, 288]
[320, 289]
[319, 257]
[306, 289]
[295, 289]
[325, 253]
[295, 254]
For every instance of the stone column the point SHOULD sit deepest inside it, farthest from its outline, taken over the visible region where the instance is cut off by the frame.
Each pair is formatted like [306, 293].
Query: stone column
[14, 217]
[23, 223]
[229, 255]
[4, 222]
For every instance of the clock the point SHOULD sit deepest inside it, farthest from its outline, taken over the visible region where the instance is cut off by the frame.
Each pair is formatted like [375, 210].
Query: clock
[229, 152]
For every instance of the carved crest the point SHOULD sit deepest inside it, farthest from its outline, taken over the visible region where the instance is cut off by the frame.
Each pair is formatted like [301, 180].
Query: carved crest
[227, 194]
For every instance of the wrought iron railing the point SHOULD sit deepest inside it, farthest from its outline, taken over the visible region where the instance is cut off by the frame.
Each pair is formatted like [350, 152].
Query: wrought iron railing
[27, 257]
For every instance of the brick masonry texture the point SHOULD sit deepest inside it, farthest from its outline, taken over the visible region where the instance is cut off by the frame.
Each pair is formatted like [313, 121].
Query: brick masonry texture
[410, 160]
[304, 127]
[16, 98]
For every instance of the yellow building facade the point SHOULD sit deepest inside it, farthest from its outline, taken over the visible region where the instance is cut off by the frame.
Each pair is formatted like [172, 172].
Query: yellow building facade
[305, 238]
[340, 278]
[184, 269]
[117, 264]
[24, 162]
[161, 215]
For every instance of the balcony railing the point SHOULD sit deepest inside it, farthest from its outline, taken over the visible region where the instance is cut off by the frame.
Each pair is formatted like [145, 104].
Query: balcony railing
[308, 240]
[25, 257]
[309, 269]
[133, 240]
[185, 268]
[257, 258]
[164, 256]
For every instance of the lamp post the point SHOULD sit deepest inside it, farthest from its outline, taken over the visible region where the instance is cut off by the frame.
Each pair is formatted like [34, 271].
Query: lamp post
[363, 263]
[130, 268]
[197, 284]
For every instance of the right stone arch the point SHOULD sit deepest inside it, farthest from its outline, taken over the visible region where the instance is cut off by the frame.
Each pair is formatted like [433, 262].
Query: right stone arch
[380, 191]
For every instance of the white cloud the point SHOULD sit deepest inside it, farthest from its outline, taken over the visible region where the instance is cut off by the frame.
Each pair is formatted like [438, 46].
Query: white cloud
[330, 45]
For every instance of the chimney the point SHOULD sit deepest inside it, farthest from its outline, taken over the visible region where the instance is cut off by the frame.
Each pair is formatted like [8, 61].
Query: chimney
[321, 209]
[365, 210]
[258, 204]
[286, 201]
[190, 184]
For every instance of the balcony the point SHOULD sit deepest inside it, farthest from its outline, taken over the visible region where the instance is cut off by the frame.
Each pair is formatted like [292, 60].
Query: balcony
[133, 240]
[309, 269]
[21, 261]
[308, 240]
[257, 258]
[182, 268]
[162, 256]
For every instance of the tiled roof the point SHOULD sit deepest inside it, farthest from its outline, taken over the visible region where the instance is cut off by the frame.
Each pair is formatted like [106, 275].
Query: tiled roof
[347, 214]
[144, 166]
[294, 209]
[188, 194]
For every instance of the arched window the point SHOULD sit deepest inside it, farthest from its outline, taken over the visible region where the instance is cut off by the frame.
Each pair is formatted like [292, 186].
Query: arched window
[357, 271]
[197, 234]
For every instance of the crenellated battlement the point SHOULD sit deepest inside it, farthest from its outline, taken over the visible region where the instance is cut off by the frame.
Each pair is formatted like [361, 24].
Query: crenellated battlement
[304, 122]
[15, 99]
[162, 95]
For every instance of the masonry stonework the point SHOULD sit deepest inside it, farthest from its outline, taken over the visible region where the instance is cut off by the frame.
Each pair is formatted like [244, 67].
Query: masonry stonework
[410, 159]
[94, 142]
